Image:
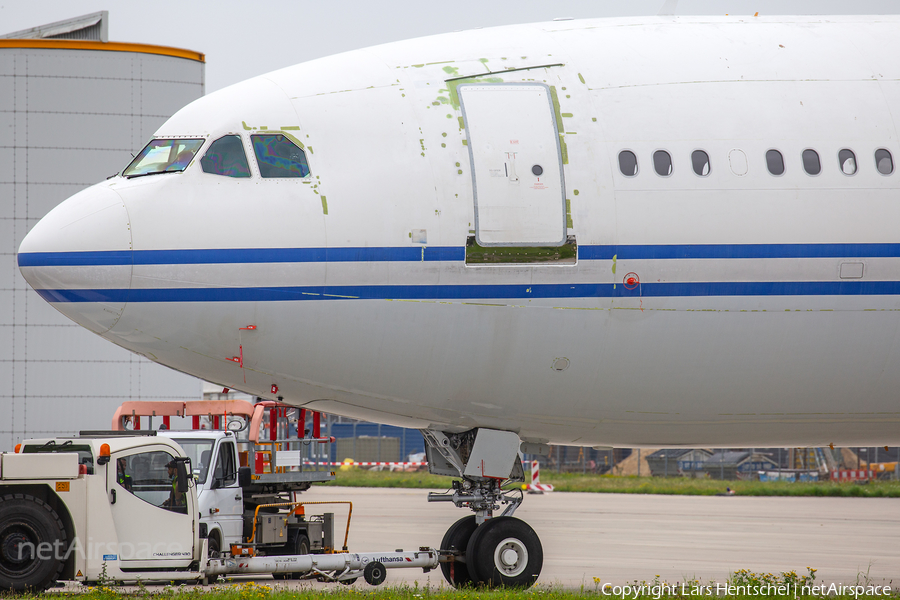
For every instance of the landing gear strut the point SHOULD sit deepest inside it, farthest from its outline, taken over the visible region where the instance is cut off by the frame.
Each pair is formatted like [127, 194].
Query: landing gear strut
[494, 551]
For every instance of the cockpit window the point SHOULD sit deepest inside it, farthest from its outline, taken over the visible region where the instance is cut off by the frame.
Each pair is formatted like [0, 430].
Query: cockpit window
[278, 156]
[226, 157]
[163, 156]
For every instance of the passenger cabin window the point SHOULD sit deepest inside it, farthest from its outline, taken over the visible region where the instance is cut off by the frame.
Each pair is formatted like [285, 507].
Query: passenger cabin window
[884, 162]
[811, 163]
[163, 156]
[775, 162]
[226, 157]
[848, 161]
[277, 156]
[628, 163]
[662, 163]
[700, 162]
[148, 476]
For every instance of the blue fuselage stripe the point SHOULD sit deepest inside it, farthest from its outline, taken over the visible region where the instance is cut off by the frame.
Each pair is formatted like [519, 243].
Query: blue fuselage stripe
[477, 292]
[445, 253]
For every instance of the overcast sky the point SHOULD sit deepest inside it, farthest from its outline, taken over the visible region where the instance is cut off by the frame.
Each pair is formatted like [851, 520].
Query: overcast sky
[244, 38]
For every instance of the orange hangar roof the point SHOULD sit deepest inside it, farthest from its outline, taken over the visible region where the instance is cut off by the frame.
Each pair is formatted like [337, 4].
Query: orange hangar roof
[88, 32]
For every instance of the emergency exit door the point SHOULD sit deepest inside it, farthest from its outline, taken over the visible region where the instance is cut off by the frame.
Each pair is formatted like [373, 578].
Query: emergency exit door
[516, 164]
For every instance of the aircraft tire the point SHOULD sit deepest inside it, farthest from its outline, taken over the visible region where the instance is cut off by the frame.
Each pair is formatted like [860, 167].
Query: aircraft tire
[458, 537]
[505, 551]
[27, 520]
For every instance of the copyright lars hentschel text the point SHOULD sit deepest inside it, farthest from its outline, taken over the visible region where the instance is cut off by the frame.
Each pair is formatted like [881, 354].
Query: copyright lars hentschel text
[657, 591]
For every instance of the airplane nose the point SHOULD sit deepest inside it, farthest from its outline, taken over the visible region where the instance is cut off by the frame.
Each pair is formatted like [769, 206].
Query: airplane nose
[79, 258]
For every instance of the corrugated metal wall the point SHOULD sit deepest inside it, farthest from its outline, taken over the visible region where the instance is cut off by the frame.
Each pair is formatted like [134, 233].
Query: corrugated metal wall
[68, 119]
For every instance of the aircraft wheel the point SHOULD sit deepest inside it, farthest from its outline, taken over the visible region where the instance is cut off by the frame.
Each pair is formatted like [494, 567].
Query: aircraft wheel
[32, 543]
[505, 551]
[457, 537]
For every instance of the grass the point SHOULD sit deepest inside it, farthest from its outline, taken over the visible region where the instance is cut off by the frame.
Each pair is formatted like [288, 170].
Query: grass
[614, 484]
[743, 585]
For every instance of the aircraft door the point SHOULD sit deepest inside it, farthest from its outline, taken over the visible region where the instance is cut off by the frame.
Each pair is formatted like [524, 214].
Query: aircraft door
[153, 525]
[516, 164]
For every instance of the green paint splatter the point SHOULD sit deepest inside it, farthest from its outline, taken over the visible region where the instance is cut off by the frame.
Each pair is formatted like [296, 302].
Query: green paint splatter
[459, 171]
[594, 119]
[575, 192]
[569, 223]
[444, 134]
[449, 116]
[567, 115]
[443, 145]
[452, 85]
[454, 71]
[614, 263]
[564, 151]
[290, 128]
[462, 124]
[417, 66]
[465, 142]
[324, 206]
[457, 164]
[295, 140]
[581, 78]
[246, 127]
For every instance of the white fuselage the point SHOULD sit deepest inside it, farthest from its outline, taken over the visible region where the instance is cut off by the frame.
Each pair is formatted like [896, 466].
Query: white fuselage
[737, 308]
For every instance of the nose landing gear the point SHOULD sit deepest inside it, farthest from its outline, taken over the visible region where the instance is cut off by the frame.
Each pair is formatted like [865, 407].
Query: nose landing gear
[481, 549]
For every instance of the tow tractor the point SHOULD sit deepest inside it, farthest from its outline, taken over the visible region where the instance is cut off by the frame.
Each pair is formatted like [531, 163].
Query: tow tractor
[122, 506]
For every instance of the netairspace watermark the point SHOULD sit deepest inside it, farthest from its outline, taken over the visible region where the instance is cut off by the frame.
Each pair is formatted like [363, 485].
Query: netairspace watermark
[656, 591]
[60, 550]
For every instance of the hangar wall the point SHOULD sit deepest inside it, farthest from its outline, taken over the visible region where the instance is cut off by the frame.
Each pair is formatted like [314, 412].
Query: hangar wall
[71, 114]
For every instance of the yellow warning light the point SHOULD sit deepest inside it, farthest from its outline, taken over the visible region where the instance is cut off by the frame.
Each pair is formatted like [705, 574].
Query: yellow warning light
[104, 454]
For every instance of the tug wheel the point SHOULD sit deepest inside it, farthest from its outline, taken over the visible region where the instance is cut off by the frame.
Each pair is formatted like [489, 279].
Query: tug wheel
[32, 543]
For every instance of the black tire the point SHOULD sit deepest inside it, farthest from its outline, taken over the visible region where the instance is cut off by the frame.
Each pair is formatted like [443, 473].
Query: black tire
[457, 537]
[505, 552]
[214, 549]
[30, 529]
[374, 573]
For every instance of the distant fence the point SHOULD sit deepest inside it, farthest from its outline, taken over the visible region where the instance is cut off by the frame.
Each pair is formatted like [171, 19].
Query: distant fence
[371, 442]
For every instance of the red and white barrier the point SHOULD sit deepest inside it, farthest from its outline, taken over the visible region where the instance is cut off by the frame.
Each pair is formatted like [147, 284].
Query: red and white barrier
[536, 487]
[852, 475]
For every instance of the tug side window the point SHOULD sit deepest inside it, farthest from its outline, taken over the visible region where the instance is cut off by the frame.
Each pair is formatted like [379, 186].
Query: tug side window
[146, 476]
[226, 471]
[278, 156]
[226, 157]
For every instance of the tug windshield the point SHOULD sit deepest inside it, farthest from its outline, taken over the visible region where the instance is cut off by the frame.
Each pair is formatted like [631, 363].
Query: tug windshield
[163, 156]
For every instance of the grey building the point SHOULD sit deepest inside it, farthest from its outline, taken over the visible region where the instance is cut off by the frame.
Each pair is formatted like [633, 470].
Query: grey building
[73, 107]
[671, 462]
[737, 464]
